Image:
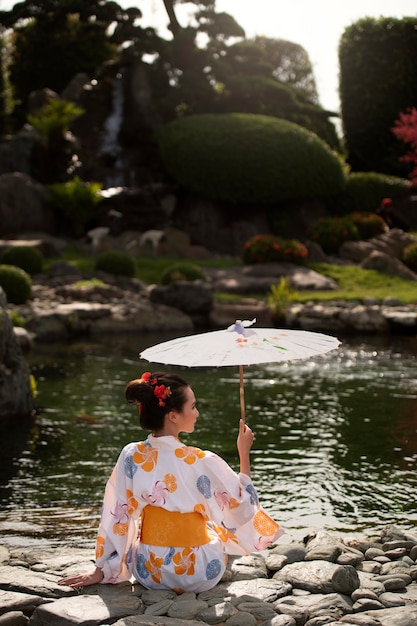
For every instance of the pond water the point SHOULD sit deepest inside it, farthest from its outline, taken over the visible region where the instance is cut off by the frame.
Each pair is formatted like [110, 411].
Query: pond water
[335, 446]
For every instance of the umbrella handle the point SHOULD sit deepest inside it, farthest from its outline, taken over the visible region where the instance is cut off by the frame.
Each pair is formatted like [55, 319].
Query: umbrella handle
[242, 393]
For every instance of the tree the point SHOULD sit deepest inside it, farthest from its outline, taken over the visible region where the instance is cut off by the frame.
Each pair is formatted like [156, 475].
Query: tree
[55, 39]
[405, 129]
[229, 73]
[378, 79]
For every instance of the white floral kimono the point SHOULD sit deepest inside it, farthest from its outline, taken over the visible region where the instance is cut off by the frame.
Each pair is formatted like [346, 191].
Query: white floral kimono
[163, 476]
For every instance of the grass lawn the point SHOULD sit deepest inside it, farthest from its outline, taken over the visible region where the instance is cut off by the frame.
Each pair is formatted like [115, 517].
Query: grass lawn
[354, 282]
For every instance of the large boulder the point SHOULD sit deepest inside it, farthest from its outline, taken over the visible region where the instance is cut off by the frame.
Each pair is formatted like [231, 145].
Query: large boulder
[15, 393]
[22, 205]
[387, 264]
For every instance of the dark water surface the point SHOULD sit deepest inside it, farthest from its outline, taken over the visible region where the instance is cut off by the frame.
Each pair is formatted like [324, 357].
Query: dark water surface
[335, 447]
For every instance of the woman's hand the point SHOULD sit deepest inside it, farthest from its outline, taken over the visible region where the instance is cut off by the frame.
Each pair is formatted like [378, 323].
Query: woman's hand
[244, 443]
[83, 580]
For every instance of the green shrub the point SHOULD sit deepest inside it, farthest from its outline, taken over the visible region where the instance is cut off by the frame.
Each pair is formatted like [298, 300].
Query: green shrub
[116, 262]
[54, 118]
[16, 284]
[279, 298]
[27, 258]
[16, 319]
[409, 256]
[247, 158]
[272, 249]
[76, 200]
[182, 271]
[365, 190]
[331, 232]
[368, 224]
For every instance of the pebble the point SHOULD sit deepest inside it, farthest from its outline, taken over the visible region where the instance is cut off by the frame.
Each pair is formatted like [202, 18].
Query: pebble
[254, 591]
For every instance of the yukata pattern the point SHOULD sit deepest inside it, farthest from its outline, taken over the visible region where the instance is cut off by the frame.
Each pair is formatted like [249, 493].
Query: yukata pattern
[163, 472]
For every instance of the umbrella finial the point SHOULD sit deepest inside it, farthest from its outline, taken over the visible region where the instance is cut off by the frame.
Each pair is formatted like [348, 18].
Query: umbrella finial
[239, 327]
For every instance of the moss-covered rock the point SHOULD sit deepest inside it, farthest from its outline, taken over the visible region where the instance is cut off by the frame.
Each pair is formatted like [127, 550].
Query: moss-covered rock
[248, 158]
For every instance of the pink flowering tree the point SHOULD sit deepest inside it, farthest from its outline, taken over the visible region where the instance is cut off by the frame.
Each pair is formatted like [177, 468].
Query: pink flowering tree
[405, 129]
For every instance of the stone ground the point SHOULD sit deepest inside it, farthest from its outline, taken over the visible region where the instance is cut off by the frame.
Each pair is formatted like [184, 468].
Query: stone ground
[322, 579]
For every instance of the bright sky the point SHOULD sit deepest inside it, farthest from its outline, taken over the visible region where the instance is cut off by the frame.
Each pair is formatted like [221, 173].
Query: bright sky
[316, 25]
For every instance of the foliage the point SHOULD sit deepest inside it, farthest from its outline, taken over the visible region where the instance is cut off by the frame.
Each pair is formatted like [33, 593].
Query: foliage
[409, 256]
[249, 158]
[272, 249]
[366, 190]
[26, 257]
[6, 98]
[76, 201]
[16, 319]
[182, 271]
[272, 77]
[33, 386]
[368, 225]
[53, 119]
[88, 283]
[55, 40]
[331, 232]
[405, 129]
[377, 60]
[16, 284]
[116, 262]
[206, 66]
[279, 298]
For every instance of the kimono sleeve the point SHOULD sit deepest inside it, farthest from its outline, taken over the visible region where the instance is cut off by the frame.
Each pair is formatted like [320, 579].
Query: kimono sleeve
[234, 506]
[118, 528]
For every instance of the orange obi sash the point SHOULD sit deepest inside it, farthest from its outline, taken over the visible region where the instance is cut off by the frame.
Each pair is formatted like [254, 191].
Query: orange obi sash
[172, 529]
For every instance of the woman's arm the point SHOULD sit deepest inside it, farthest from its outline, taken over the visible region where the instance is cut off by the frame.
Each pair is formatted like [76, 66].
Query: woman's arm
[244, 443]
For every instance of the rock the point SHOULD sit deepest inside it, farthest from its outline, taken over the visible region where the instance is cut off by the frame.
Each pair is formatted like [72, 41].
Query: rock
[342, 316]
[29, 589]
[247, 567]
[251, 279]
[387, 264]
[293, 552]
[15, 392]
[392, 242]
[85, 608]
[215, 614]
[397, 616]
[314, 605]
[322, 546]
[320, 577]
[22, 205]
[14, 618]
[195, 298]
[356, 251]
[189, 609]
[25, 602]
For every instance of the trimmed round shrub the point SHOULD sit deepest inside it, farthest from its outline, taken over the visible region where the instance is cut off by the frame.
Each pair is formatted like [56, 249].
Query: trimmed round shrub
[365, 190]
[182, 271]
[272, 249]
[116, 262]
[368, 224]
[240, 157]
[16, 284]
[331, 232]
[26, 257]
[409, 256]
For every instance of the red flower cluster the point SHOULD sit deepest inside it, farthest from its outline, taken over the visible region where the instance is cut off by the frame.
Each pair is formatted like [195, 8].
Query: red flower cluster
[161, 392]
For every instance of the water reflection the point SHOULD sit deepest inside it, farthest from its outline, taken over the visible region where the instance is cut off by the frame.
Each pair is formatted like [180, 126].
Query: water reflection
[335, 439]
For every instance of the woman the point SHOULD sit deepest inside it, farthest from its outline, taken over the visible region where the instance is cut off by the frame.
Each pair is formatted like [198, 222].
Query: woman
[191, 507]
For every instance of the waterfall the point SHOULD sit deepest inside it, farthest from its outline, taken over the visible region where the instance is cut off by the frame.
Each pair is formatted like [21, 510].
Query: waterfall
[110, 145]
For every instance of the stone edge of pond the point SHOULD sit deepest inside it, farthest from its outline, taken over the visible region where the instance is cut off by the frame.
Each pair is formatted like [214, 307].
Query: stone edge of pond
[322, 579]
